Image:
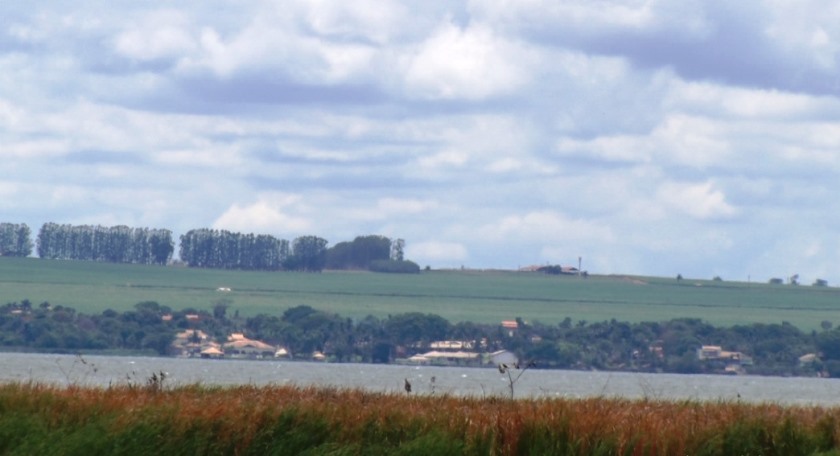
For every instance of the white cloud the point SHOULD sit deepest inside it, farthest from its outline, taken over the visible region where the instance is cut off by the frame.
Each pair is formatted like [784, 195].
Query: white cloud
[70, 195]
[546, 227]
[156, 35]
[470, 63]
[636, 15]
[376, 20]
[679, 140]
[700, 201]
[746, 103]
[8, 191]
[395, 206]
[36, 148]
[807, 29]
[444, 159]
[10, 115]
[619, 148]
[203, 158]
[691, 141]
[437, 252]
[504, 165]
[271, 214]
[275, 45]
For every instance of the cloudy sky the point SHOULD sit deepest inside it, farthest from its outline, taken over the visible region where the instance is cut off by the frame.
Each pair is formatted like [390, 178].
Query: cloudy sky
[648, 137]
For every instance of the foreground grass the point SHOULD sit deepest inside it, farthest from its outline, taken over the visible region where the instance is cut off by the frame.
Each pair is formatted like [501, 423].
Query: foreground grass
[477, 296]
[195, 420]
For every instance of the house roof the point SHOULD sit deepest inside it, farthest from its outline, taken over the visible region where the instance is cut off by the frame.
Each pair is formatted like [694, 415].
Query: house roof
[247, 343]
[500, 352]
[450, 344]
[191, 333]
[457, 355]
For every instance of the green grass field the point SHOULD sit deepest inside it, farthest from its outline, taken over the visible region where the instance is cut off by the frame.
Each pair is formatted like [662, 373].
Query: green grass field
[486, 296]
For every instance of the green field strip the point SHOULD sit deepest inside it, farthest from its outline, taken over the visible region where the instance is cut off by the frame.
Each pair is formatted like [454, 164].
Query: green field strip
[456, 295]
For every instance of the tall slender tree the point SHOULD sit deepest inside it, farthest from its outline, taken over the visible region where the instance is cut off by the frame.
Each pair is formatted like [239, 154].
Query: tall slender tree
[15, 240]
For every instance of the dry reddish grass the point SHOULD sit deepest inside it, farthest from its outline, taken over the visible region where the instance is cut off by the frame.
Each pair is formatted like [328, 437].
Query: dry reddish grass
[239, 414]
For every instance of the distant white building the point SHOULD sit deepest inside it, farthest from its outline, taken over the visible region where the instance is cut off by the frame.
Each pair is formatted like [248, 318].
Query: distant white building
[240, 346]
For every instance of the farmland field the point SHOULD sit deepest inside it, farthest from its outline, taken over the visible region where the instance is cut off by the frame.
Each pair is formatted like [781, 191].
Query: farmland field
[479, 296]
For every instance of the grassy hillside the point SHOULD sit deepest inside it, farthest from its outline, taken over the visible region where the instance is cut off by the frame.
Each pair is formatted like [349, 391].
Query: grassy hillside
[456, 295]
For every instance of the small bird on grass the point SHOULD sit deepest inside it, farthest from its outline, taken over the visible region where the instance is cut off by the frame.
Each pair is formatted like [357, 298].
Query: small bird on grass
[407, 386]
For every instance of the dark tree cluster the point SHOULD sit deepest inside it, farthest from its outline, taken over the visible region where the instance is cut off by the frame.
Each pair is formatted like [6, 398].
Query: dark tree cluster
[61, 329]
[309, 254]
[395, 266]
[221, 249]
[15, 240]
[373, 253]
[116, 244]
[206, 248]
[359, 253]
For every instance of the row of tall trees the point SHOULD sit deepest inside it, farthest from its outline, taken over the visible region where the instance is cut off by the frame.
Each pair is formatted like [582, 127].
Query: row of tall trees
[15, 240]
[206, 248]
[116, 244]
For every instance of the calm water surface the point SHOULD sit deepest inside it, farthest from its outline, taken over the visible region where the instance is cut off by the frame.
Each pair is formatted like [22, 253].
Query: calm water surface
[480, 382]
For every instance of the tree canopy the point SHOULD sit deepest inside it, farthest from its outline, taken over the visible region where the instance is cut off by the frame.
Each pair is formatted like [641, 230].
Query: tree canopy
[15, 240]
[116, 244]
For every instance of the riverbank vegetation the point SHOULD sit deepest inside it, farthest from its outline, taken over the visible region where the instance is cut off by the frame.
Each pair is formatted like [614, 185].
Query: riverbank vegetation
[302, 331]
[135, 419]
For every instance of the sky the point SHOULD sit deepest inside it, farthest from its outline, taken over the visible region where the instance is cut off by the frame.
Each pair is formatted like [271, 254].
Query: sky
[699, 138]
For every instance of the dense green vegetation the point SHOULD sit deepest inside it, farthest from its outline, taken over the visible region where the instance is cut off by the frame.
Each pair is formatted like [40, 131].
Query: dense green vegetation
[196, 420]
[667, 346]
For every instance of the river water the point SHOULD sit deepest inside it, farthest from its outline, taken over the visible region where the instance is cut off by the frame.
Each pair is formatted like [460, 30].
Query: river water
[465, 381]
